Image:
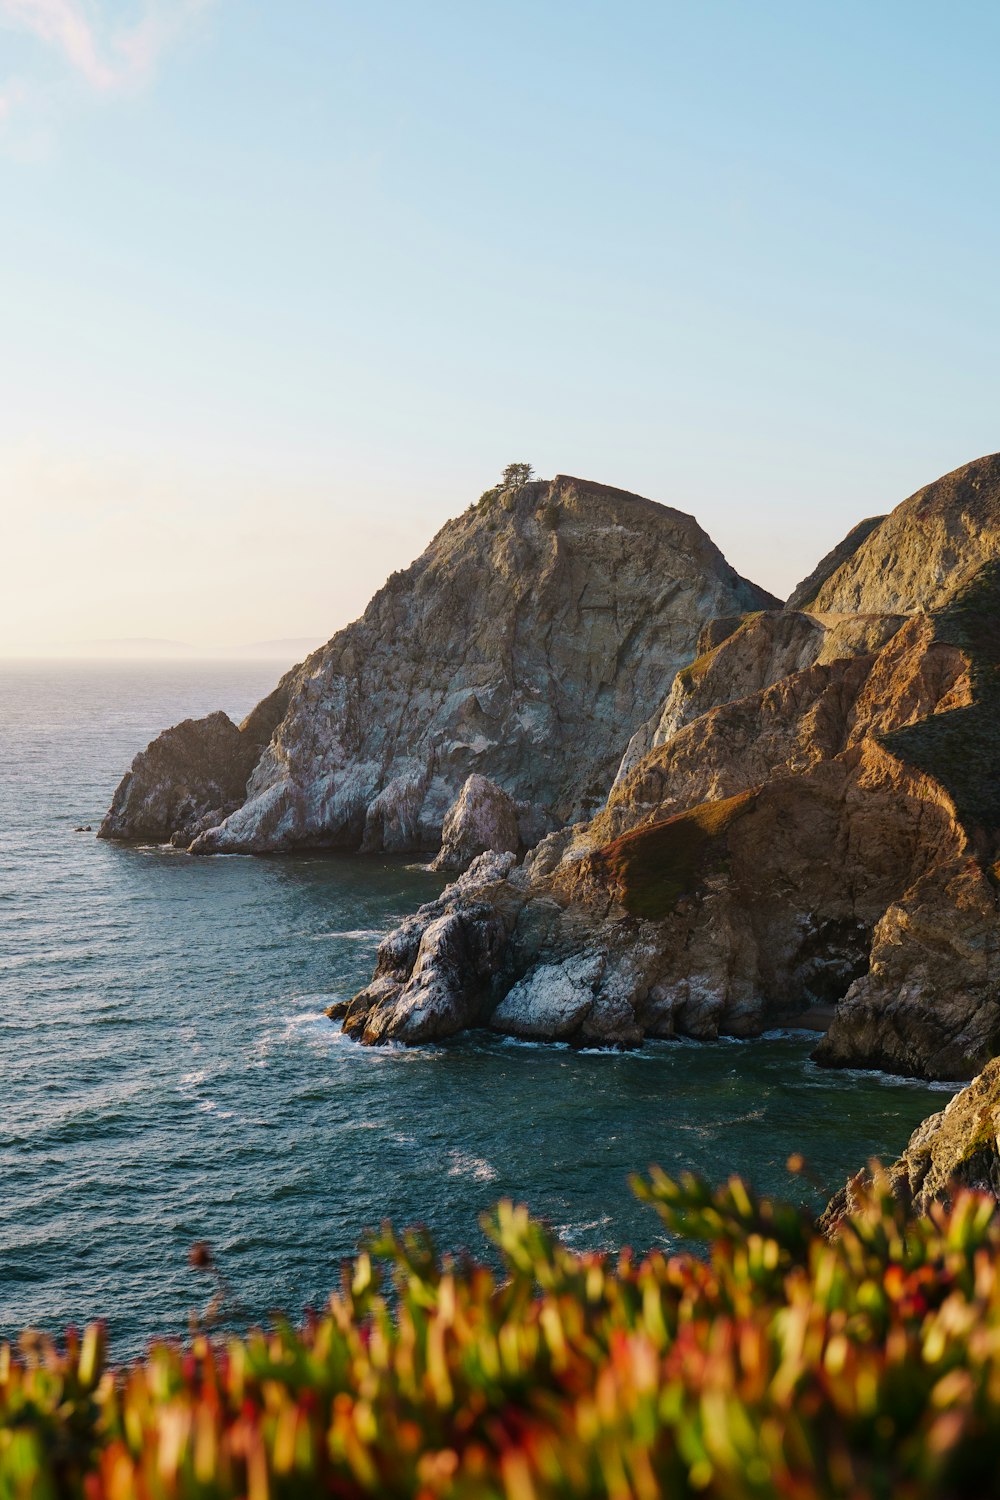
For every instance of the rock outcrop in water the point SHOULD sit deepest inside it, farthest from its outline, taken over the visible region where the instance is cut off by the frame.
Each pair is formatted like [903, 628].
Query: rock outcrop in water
[811, 819]
[955, 1148]
[192, 776]
[524, 647]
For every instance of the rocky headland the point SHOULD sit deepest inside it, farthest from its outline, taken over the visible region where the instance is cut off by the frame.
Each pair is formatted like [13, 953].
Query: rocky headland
[529, 640]
[674, 806]
[807, 823]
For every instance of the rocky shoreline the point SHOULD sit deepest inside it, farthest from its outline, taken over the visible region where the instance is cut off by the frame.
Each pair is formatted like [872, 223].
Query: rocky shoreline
[675, 808]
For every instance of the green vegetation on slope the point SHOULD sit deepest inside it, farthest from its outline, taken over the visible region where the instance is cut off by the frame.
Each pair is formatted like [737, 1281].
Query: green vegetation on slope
[961, 749]
[653, 866]
[785, 1365]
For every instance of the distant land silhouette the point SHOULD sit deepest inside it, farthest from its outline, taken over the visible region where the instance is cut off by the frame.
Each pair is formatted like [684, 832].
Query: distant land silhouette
[151, 648]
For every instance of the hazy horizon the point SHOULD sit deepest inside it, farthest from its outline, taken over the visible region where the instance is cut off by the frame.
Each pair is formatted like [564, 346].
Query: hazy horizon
[144, 649]
[283, 290]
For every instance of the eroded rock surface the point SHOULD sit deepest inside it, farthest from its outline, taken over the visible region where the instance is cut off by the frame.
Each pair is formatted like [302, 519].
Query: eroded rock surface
[524, 646]
[930, 546]
[804, 594]
[810, 822]
[484, 818]
[955, 1148]
[436, 974]
[193, 774]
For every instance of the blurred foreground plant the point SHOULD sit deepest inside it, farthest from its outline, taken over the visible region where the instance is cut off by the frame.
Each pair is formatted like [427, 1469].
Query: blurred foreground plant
[784, 1364]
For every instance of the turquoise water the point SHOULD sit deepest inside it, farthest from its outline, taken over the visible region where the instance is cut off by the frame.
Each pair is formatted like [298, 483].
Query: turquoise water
[168, 1074]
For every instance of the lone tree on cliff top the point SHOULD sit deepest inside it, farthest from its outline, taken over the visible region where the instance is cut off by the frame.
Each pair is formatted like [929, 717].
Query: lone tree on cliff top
[514, 476]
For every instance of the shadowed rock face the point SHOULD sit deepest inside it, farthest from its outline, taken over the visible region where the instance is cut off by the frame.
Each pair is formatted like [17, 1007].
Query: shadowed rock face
[811, 819]
[524, 646]
[191, 776]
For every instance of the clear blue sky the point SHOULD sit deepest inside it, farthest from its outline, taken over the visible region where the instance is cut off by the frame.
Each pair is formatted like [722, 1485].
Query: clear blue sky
[283, 286]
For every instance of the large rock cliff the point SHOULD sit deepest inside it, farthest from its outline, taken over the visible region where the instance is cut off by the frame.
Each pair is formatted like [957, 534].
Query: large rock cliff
[524, 647]
[808, 824]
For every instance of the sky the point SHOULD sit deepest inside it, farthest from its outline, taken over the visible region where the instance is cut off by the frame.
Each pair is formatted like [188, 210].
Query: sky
[284, 286]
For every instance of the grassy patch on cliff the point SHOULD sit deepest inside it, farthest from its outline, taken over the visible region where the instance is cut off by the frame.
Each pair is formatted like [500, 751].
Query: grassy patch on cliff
[695, 670]
[655, 865]
[692, 674]
[780, 1364]
[961, 749]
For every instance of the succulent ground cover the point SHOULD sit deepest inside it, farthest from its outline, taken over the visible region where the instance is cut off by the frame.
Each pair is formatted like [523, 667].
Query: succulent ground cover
[774, 1362]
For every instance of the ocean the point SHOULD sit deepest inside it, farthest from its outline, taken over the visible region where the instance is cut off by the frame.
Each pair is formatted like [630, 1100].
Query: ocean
[168, 1074]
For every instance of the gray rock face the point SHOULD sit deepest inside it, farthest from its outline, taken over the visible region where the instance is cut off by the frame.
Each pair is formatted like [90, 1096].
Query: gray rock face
[436, 973]
[808, 824]
[482, 817]
[770, 858]
[524, 646]
[192, 774]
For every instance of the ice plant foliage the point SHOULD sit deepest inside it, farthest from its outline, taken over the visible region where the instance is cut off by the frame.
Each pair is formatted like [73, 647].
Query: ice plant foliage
[780, 1364]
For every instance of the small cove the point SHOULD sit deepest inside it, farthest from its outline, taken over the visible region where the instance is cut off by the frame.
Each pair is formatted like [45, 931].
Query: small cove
[169, 1074]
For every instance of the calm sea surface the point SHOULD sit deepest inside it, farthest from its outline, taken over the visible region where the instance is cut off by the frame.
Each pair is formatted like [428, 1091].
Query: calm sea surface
[168, 1074]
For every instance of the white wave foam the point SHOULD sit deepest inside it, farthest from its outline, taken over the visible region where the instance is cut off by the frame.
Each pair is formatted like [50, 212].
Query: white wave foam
[570, 1232]
[352, 935]
[890, 1080]
[464, 1164]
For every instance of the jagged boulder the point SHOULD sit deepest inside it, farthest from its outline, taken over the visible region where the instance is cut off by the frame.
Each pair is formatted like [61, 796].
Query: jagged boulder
[435, 974]
[483, 817]
[192, 776]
